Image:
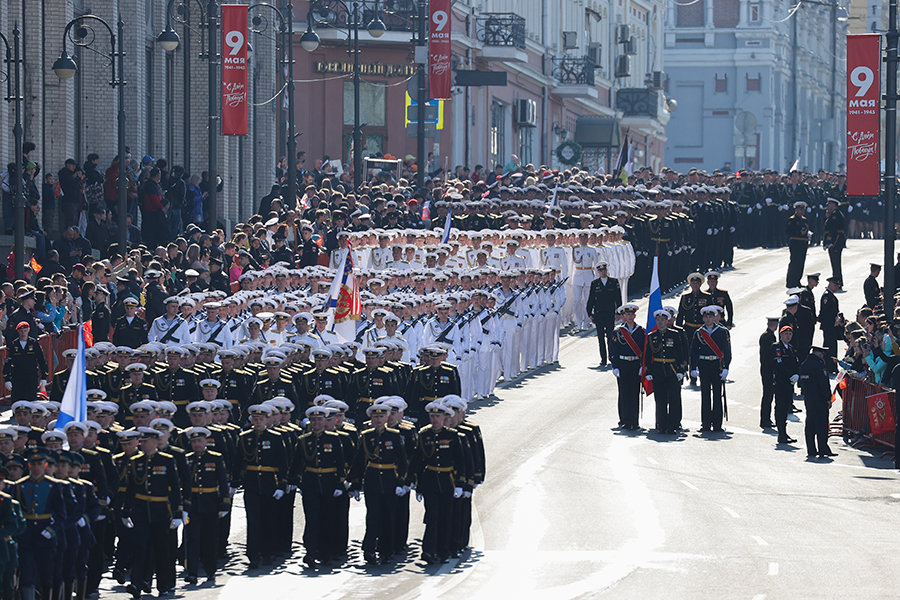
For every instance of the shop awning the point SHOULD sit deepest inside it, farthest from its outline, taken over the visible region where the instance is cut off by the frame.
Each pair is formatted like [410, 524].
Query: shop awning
[598, 132]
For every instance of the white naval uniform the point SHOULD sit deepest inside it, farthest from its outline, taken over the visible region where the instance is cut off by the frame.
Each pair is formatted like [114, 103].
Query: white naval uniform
[584, 258]
[209, 332]
[381, 259]
[161, 327]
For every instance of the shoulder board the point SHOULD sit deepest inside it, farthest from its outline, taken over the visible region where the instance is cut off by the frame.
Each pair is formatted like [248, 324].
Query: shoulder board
[214, 453]
[273, 432]
[385, 370]
[248, 432]
[370, 429]
[55, 480]
[392, 430]
[166, 455]
[405, 425]
[339, 433]
[426, 428]
[5, 496]
[348, 426]
[22, 480]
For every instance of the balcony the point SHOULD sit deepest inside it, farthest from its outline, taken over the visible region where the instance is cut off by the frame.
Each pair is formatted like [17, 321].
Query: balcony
[398, 16]
[638, 102]
[575, 77]
[503, 36]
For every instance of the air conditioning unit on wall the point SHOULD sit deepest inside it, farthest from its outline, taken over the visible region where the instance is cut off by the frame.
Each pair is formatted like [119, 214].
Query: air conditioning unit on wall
[526, 112]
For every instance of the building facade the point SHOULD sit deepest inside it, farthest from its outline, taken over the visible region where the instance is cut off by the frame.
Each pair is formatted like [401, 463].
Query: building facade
[561, 61]
[758, 83]
[75, 117]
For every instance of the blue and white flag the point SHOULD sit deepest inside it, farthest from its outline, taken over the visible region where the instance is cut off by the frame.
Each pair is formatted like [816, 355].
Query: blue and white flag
[796, 165]
[655, 296]
[74, 400]
[344, 302]
[446, 237]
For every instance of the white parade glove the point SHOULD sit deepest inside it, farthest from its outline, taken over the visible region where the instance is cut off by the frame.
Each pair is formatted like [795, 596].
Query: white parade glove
[9, 385]
[100, 517]
[679, 375]
[81, 522]
[709, 232]
[184, 516]
[43, 383]
[758, 205]
[128, 523]
[355, 495]
[399, 491]
[292, 488]
[406, 489]
[346, 485]
[418, 497]
[176, 523]
[750, 211]
[616, 373]
[795, 378]
[47, 534]
[278, 495]
[649, 378]
[731, 229]
[467, 494]
[695, 373]
[724, 374]
[457, 492]
[223, 514]
[108, 499]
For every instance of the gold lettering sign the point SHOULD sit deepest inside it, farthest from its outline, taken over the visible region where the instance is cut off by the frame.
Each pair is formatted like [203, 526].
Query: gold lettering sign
[379, 69]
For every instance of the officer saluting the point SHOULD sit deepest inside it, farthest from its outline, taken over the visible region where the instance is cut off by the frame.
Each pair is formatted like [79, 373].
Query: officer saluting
[626, 353]
[603, 300]
[130, 330]
[664, 363]
[25, 367]
[710, 358]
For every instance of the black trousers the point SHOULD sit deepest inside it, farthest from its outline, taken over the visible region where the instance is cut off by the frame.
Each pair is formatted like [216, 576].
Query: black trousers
[667, 391]
[606, 324]
[710, 394]
[817, 425]
[798, 260]
[96, 563]
[462, 523]
[784, 399]
[768, 393]
[629, 383]
[319, 511]
[830, 340]
[834, 255]
[202, 543]
[152, 553]
[401, 523]
[261, 524]
[380, 510]
[438, 523]
[341, 536]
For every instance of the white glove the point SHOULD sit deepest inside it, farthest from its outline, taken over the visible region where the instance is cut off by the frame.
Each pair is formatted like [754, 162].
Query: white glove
[406, 489]
[46, 533]
[795, 378]
[108, 499]
[399, 490]
[616, 373]
[695, 373]
[709, 232]
[724, 374]
[640, 370]
[278, 495]
[223, 513]
[418, 497]
[758, 205]
[100, 517]
[184, 516]
[127, 522]
[649, 378]
[9, 385]
[346, 485]
[81, 522]
[338, 493]
[467, 494]
[750, 211]
[731, 229]
[176, 523]
[43, 383]
[457, 492]
[679, 375]
[292, 488]
[355, 495]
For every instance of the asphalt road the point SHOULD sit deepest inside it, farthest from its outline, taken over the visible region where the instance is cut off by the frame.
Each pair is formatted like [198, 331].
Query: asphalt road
[574, 509]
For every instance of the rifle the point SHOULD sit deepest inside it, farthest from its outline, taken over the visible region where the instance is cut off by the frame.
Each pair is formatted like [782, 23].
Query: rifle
[503, 309]
[362, 332]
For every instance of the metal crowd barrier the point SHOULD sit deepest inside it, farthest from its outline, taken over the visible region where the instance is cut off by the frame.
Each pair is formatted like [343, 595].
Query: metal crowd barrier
[855, 415]
[53, 345]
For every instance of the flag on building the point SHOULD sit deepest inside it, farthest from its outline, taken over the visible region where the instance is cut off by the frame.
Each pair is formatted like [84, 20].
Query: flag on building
[345, 304]
[74, 401]
[654, 305]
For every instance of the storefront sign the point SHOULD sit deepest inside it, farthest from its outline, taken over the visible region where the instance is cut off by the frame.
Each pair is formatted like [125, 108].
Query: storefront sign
[863, 114]
[367, 69]
[439, 74]
[234, 69]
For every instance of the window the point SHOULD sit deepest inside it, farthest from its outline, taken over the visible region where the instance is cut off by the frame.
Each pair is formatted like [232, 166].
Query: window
[526, 140]
[721, 84]
[754, 85]
[371, 104]
[498, 132]
[754, 13]
[148, 99]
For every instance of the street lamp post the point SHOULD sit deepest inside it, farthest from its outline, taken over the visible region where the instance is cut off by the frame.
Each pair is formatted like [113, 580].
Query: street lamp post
[65, 68]
[14, 94]
[310, 42]
[287, 25]
[169, 40]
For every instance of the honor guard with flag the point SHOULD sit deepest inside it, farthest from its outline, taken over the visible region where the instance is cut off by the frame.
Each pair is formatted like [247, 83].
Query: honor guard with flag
[626, 352]
[689, 307]
[710, 359]
[665, 362]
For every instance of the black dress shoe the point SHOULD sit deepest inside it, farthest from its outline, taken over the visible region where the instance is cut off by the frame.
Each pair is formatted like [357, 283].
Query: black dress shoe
[811, 456]
[254, 564]
[829, 453]
[192, 579]
[431, 559]
[309, 561]
[119, 576]
[370, 558]
[769, 425]
[791, 440]
[718, 430]
[133, 590]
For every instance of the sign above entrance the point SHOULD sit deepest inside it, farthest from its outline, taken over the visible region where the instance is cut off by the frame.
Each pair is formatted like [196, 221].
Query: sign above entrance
[366, 69]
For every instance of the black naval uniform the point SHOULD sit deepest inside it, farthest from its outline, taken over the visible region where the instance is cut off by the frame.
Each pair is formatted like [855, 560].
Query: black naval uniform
[367, 385]
[797, 229]
[816, 389]
[767, 375]
[834, 239]
[664, 359]
[132, 334]
[829, 309]
[426, 384]
[25, 367]
[785, 366]
[710, 362]
[603, 300]
[318, 469]
[205, 496]
[378, 469]
[626, 353]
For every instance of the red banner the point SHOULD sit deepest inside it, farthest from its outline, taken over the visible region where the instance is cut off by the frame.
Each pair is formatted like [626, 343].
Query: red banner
[863, 114]
[881, 413]
[234, 69]
[439, 73]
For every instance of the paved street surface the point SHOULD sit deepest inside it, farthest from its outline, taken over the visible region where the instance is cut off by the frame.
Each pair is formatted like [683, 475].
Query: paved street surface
[575, 509]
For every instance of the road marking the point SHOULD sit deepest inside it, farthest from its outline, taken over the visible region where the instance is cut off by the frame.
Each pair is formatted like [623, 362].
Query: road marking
[760, 541]
[689, 485]
[731, 512]
[652, 461]
[897, 496]
[759, 597]
[773, 568]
